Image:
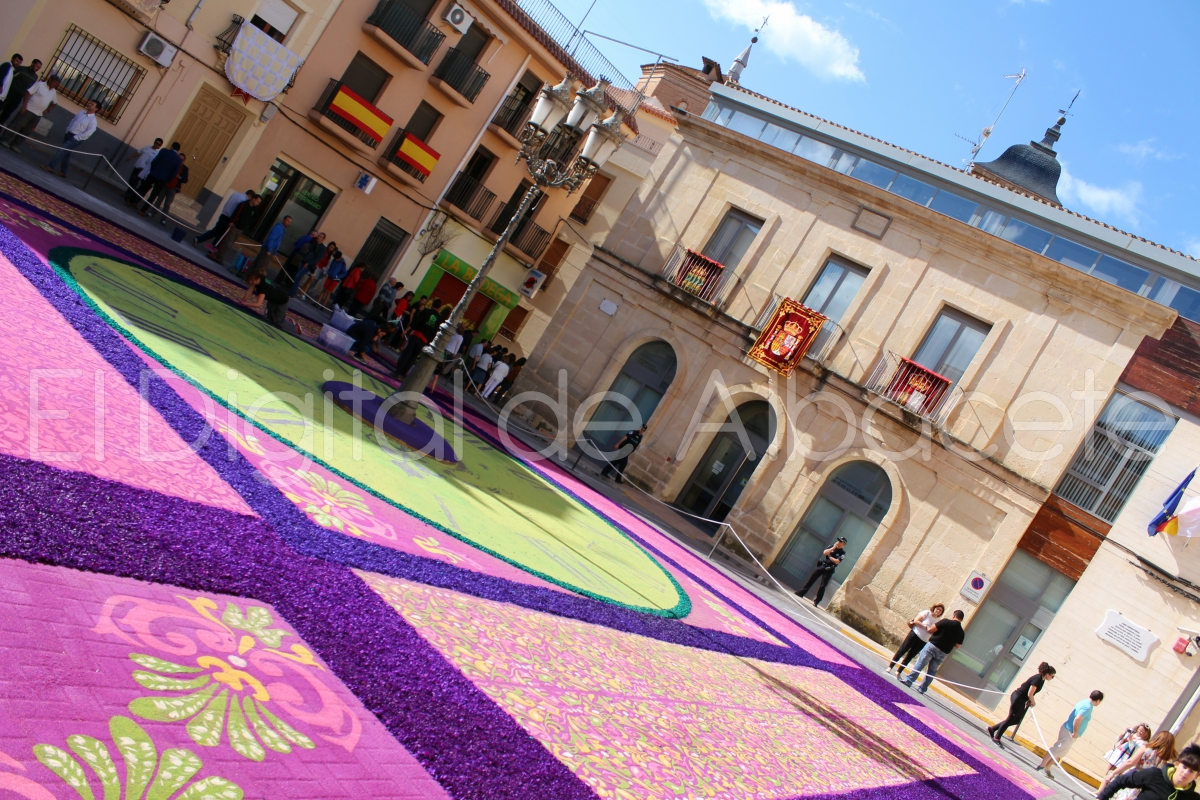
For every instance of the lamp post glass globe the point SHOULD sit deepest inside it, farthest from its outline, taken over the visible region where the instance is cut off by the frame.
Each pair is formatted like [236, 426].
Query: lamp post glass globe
[599, 143]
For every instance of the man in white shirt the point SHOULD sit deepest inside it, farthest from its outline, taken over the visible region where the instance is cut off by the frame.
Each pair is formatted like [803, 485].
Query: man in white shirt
[218, 230]
[79, 130]
[7, 70]
[141, 170]
[499, 373]
[38, 101]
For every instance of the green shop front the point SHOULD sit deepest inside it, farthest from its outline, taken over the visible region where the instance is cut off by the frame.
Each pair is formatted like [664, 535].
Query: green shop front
[447, 279]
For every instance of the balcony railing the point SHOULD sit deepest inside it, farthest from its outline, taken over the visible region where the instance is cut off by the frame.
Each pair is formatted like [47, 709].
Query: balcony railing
[470, 195]
[914, 388]
[461, 74]
[407, 28]
[367, 137]
[226, 38]
[528, 237]
[513, 114]
[697, 274]
[583, 210]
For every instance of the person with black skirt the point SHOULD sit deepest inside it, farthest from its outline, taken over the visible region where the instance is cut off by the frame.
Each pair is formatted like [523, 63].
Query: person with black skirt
[918, 636]
[1021, 700]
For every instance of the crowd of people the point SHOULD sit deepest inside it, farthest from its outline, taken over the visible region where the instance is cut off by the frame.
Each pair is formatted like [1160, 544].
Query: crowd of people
[25, 99]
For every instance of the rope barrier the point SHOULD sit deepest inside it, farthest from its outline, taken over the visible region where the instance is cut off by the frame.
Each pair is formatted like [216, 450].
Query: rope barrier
[1091, 791]
[116, 172]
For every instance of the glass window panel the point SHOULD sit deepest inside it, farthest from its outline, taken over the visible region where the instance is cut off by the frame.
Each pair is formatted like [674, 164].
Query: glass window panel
[823, 518]
[912, 189]
[991, 628]
[872, 173]
[992, 222]
[779, 137]
[711, 111]
[845, 163]
[1127, 276]
[1187, 303]
[813, 150]
[952, 205]
[952, 342]
[723, 116]
[732, 239]
[1135, 422]
[1027, 576]
[834, 289]
[959, 356]
[745, 123]
[1025, 235]
[1056, 593]
[937, 342]
[1073, 255]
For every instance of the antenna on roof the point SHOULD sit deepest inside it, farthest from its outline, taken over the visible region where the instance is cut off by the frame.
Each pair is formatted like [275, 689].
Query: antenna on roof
[977, 144]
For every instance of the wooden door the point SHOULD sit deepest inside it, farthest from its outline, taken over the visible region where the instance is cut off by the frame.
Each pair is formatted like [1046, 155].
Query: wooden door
[205, 134]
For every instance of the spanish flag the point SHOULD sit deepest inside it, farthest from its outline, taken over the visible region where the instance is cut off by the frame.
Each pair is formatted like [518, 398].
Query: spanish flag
[352, 108]
[417, 154]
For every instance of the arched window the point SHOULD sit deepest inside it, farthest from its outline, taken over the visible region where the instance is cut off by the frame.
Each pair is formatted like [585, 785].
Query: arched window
[644, 380]
[851, 503]
[723, 473]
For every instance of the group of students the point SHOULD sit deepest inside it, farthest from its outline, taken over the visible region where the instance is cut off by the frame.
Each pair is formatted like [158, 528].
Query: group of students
[158, 175]
[25, 100]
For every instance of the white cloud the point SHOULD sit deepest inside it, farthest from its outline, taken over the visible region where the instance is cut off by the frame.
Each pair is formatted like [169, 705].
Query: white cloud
[794, 36]
[1122, 203]
[1145, 149]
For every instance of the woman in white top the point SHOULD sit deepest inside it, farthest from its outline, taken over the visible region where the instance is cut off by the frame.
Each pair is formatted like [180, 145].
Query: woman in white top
[499, 373]
[918, 636]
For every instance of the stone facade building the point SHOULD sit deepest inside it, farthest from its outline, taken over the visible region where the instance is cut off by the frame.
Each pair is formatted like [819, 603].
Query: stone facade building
[977, 338]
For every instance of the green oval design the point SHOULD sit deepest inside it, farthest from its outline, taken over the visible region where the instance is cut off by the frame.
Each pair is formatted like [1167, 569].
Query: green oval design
[488, 500]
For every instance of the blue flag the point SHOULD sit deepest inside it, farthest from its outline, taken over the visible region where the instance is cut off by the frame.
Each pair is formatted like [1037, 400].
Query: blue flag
[1168, 509]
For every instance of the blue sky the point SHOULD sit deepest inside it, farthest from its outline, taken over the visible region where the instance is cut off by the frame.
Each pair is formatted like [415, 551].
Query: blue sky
[917, 73]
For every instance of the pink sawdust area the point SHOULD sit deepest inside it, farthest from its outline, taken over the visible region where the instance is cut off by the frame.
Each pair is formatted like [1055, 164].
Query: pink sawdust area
[62, 404]
[326, 499]
[221, 684]
[690, 563]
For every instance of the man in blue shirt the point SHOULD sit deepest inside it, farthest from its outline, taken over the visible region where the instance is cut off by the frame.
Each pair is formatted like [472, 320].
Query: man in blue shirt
[163, 168]
[1070, 731]
[270, 245]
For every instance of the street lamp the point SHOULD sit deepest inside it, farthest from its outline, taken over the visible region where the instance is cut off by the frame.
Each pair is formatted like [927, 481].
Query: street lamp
[554, 159]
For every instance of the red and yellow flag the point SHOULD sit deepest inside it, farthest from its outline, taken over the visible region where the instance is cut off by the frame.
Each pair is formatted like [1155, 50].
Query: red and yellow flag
[352, 108]
[417, 154]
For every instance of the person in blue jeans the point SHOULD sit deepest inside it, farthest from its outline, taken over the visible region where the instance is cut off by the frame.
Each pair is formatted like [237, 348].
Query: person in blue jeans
[79, 130]
[945, 635]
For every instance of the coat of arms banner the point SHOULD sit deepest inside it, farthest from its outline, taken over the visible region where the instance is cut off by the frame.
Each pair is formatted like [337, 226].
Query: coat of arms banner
[786, 338]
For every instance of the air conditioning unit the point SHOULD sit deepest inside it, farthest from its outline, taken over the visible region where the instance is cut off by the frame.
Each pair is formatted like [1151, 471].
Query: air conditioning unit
[158, 48]
[458, 18]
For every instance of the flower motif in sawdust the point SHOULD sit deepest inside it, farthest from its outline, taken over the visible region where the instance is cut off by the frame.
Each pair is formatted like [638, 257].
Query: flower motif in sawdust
[248, 442]
[327, 503]
[163, 775]
[221, 681]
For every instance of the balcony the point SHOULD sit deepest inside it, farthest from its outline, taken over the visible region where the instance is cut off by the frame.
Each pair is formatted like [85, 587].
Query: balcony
[583, 210]
[459, 78]
[226, 38]
[471, 196]
[919, 391]
[510, 120]
[409, 158]
[405, 32]
[698, 275]
[350, 117]
[527, 237]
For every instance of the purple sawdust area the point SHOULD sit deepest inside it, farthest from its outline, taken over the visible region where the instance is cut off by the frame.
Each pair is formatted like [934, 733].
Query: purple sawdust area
[470, 745]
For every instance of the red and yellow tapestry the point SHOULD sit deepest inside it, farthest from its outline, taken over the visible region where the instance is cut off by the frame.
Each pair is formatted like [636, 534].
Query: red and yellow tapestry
[352, 108]
[417, 154]
[786, 338]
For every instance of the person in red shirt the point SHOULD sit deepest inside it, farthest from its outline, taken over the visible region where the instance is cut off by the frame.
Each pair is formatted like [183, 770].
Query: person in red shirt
[363, 295]
[346, 291]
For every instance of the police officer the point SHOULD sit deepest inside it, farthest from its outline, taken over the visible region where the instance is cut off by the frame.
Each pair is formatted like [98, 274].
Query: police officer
[629, 442]
[830, 559]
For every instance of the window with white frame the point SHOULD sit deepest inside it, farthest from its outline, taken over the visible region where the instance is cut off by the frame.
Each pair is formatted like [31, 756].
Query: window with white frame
[1114, 456]
[835, 288]
[951, 343]
[732, 238]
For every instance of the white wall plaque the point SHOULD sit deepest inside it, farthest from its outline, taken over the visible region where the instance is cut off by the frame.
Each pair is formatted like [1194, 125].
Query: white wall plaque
[1133, 639]
[608, 306]
[976, 587]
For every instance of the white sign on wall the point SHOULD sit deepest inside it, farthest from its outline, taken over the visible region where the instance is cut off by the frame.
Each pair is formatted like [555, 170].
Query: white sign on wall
[1135, 640]
[976, 587]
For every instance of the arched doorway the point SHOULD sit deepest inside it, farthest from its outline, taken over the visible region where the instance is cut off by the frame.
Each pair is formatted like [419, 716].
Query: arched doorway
[854, 499]
[644, 380]
[719, 478]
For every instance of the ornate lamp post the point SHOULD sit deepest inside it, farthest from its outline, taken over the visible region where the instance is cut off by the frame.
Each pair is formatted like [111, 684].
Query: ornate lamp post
[557, 156]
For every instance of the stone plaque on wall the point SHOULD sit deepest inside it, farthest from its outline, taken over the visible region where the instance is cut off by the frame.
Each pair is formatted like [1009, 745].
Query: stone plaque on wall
[1135, 640]
[871, 223]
